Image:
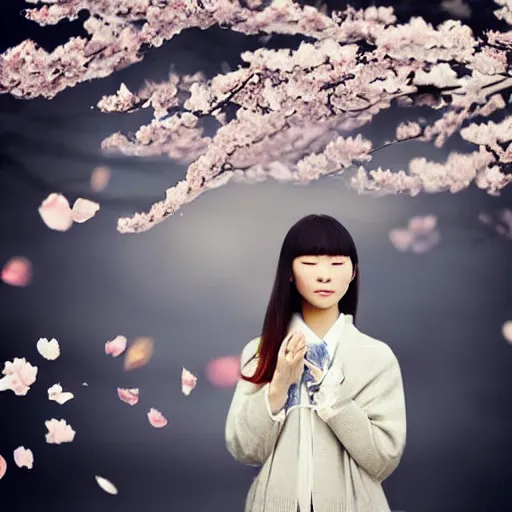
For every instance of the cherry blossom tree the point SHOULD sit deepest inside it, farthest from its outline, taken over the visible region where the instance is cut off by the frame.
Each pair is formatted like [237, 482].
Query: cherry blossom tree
[286, 114]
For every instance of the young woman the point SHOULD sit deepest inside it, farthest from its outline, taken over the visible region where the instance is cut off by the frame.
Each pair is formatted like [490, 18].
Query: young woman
[319, 405]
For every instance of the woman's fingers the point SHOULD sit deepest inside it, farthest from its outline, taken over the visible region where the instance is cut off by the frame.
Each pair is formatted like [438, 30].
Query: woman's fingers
[300, 353]
[293, 345]
[292, 342]
[296, 341]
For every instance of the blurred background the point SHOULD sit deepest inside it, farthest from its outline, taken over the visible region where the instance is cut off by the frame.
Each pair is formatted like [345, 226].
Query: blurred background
[198, 284]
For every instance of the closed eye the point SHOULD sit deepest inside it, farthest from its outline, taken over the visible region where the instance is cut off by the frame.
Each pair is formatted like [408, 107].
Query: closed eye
[310, 263]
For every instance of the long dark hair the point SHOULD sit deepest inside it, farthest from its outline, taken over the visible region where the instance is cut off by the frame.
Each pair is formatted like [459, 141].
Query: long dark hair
[312, 235]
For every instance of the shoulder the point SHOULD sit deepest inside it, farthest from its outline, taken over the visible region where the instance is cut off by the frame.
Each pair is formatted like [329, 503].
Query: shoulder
[250, 351]
[376, 353]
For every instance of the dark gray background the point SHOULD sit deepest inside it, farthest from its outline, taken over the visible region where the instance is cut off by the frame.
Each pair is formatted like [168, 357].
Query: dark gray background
[199, 284]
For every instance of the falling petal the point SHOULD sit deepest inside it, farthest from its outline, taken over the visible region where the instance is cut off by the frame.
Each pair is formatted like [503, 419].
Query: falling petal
[401, 239]
[116, 346]
[56, 394]
[49, 349]
[139, 353]
[64, 397]
[19, 376]
[422, 225]
[84, 384]
[5, 383]
[56, 212]
[100, 178]
[423, 244]
[223, 372]
[188, 382]
[456, 8]
[17, 272]
[128, 396]
[59, 432]
[3, 467]
[83, 210]
[23, 457]
[507, 330]
[156, 418]
[106, 485]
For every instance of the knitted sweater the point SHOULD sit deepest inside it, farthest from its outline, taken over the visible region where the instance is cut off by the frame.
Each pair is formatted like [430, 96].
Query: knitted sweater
[359, 436]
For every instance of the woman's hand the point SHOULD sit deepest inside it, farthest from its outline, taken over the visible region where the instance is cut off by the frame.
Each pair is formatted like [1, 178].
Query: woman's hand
[290, 359]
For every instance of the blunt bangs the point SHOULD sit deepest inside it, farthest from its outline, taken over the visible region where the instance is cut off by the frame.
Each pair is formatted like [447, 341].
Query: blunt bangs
[317, 235]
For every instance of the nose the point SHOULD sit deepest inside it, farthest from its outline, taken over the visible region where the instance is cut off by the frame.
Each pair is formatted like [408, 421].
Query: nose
[323, 277]
[323, 273]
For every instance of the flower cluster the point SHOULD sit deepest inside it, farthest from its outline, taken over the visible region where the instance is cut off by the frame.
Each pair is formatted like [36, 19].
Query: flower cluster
[284, 113]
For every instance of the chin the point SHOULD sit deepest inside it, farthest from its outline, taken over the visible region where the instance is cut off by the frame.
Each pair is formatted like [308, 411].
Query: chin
[323, 305]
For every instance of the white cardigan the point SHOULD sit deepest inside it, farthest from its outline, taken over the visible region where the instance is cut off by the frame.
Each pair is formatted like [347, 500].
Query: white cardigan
[359, 436]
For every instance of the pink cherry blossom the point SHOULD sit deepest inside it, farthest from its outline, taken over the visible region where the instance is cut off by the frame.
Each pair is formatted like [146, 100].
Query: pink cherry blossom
[501, 221]
[291, 107]
[59, 432]
[19, 376]
[422, 225]
[17, 272]
[23, 457]
[3, 467]
[156, 418]
[188, 382]
[407, 131]
[129, 396]
[49, 349]
[83, 210]
[58, 215]
[56, 394]
[402, 239]
[223, 372]
[116, 346]
[457, 8]
[56, 212]
[420, 236]
[100, 178]
[507, 330]
[505, 13]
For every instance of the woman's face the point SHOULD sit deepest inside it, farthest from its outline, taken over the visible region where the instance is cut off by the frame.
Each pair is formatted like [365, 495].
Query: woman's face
[314, 273]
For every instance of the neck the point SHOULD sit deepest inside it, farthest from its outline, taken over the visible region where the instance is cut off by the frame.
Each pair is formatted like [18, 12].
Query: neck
[319, 320]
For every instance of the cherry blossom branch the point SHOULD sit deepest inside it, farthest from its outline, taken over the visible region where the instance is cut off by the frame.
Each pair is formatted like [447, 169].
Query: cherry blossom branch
[117, 39]
[304, 173]
[287, 108]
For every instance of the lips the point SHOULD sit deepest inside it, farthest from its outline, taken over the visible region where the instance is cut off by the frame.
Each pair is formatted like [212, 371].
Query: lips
[324, 293]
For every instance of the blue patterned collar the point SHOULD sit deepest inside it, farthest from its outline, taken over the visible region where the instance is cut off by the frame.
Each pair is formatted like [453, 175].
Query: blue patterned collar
[320, 353]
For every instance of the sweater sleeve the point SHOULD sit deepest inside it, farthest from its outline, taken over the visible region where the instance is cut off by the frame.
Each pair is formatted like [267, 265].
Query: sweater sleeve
[251, 431]
[371, 422]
